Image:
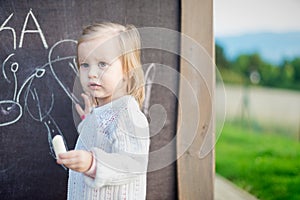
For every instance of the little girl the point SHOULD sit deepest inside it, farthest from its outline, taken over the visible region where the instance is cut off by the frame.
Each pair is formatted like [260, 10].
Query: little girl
[111, 154]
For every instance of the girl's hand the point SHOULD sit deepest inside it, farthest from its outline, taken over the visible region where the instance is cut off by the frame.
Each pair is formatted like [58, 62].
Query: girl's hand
[87, 106]
[77, 160]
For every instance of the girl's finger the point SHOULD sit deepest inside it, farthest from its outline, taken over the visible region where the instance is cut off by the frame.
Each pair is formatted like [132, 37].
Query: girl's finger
[79, 110]
[87, 103]
[59, 161]
[68, 155]
[70, 162]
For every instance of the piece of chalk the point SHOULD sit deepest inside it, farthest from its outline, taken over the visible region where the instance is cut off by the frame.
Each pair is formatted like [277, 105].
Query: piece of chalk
[58, 145]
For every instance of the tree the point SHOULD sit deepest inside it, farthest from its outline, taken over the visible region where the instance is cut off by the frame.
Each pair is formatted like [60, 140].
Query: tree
[221, 60]
[296, 65]
[287, 75]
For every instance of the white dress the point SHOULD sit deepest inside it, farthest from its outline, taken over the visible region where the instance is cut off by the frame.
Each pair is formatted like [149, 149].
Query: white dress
[118, 135]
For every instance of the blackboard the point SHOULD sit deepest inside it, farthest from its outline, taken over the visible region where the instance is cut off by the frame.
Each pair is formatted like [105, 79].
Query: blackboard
[37, 56]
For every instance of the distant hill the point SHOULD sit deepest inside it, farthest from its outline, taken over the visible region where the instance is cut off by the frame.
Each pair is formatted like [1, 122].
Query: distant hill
[273, 47]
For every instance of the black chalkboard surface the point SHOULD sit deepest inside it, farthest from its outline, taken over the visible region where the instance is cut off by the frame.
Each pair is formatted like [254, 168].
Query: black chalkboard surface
[37, 60]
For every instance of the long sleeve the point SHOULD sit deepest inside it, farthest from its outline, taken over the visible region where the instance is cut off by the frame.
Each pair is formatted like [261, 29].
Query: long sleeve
[129, 151]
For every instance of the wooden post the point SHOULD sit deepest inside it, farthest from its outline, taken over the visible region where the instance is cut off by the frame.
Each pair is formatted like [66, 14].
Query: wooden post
[196, 172]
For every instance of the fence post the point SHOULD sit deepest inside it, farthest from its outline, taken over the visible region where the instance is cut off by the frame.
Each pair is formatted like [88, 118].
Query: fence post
[196, 174]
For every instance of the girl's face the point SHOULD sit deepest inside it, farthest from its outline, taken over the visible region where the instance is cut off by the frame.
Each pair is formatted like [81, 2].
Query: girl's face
[100, 69]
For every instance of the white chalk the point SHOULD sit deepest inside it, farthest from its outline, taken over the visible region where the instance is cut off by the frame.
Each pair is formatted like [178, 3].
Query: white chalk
[58, 145]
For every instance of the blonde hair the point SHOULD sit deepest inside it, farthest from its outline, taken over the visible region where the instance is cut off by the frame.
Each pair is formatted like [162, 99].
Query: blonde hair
[130, 45]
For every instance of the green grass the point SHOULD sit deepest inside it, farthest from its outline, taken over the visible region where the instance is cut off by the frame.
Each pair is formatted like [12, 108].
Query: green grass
[264, 164]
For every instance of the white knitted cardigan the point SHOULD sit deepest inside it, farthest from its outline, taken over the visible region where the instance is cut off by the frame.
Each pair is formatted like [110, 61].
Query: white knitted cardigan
[118, 135]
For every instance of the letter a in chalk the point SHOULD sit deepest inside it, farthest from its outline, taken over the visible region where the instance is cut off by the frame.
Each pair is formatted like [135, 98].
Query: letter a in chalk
[38, 30]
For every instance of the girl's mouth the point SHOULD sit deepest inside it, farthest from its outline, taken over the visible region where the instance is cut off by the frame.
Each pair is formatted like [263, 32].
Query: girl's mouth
[94, 86]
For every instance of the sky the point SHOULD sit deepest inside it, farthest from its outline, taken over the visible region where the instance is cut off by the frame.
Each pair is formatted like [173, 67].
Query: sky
[237, 17]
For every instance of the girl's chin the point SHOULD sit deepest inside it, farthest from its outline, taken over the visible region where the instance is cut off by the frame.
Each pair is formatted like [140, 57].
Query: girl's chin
[93, 94]
[98, 96]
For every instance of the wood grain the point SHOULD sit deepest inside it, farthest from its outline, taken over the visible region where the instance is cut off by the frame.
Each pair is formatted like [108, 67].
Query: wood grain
[196, 170]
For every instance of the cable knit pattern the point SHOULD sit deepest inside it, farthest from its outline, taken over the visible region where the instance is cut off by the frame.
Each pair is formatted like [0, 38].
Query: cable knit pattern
[118, 135]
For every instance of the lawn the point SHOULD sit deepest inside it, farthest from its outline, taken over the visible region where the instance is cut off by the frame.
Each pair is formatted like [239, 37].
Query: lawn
[264, 164]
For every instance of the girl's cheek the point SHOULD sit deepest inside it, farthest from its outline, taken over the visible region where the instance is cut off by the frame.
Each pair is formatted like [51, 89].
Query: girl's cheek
[83, 77]
[83, 72]
[83, 69]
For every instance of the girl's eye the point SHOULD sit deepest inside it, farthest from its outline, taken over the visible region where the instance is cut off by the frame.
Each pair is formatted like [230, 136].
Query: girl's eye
[84, 65]
[102, 64]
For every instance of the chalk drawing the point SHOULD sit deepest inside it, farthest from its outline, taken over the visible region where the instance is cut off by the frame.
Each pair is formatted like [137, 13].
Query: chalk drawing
[24, 30]
[71, 65]
[149, 78]
[7, 106]
[11, 110]
[11, 29]
[39, 30]
[3, 67]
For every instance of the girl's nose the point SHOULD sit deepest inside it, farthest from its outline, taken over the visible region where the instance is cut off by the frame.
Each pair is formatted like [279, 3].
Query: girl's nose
[94, 72]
